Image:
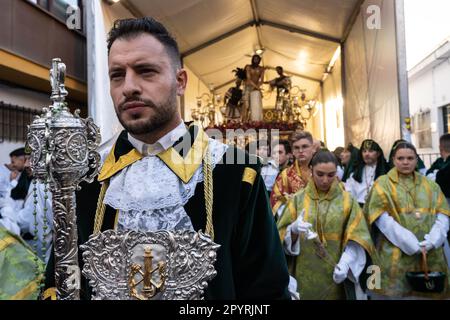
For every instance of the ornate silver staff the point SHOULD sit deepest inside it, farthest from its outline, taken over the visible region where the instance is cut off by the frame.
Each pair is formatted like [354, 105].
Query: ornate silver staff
[63, 154]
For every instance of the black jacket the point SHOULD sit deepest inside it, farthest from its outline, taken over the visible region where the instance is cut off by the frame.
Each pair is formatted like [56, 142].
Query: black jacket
[250, 262]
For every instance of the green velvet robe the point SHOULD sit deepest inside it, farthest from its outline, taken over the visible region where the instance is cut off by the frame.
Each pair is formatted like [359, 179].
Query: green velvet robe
[250, 262]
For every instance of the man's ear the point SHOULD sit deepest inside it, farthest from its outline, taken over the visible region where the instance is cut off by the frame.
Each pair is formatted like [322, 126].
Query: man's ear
[181, 78]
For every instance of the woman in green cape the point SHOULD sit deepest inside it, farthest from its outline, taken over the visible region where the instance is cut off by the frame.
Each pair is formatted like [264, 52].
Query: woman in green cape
[420, 166]
[408, 214]
[324, 228]
[20, 269]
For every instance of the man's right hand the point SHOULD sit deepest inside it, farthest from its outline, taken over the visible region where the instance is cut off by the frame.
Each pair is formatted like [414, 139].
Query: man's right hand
[14, 174]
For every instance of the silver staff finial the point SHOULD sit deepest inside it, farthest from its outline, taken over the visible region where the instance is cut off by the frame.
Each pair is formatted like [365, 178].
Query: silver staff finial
[57, 79]
[63, 153]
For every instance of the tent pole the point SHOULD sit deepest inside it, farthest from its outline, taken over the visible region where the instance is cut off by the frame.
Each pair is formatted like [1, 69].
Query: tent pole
[402, 73]
[324, 117]
[344, 94]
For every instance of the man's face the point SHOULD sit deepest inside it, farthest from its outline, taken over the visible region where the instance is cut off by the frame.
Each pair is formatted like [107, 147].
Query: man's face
[18, 163]
[279, 71]
[256, 60]
[144, 83]
[324, 175]
[27, 166]
[444, 153]
[279, 154]
[263, 151]
[303, 150]
[370, 157]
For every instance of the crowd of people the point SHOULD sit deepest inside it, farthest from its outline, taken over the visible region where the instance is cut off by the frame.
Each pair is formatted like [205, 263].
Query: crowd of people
[25, 227]
[340, 212]
[26, 204]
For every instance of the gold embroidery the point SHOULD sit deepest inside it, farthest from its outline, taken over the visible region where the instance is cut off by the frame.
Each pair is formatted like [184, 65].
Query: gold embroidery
[249, 175]
[49, 293]
[6, 242]
[101, 207]
[185, 167]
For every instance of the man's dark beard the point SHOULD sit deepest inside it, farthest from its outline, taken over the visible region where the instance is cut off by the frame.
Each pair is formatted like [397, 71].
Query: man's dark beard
[163, 114]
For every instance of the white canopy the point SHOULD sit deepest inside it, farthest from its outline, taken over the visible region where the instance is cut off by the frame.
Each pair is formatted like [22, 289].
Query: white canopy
[217, 36]
[356, 72]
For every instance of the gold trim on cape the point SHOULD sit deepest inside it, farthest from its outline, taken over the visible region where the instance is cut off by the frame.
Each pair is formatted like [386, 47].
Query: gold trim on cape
[185, 167]
[249, 175]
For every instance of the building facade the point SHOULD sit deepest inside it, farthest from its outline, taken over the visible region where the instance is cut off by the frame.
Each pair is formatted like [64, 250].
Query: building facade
[429, 96]
[32, 32]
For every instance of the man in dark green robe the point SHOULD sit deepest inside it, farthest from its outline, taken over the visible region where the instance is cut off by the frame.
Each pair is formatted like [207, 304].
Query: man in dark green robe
[145, 79]
[250, 262]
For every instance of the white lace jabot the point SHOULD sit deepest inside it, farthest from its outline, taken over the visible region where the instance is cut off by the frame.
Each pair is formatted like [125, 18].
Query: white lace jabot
[150, 197]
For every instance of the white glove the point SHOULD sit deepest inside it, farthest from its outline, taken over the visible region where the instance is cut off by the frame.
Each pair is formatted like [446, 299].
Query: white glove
[427, 244]
[340, 272]
[300, 226]
[438, 233]
[293, 288]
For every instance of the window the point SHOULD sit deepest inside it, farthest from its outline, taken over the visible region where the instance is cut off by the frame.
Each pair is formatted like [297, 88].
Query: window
[446, 115]
[14, 121]
[58, 8]
[422, 129]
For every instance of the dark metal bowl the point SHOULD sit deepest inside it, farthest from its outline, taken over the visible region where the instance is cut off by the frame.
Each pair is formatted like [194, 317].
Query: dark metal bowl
[434, 283]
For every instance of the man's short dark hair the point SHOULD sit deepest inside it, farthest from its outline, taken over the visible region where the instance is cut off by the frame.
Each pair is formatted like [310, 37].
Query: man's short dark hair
[129, 28]
[287, 146]
[18, 152]
[444, 141]
[253, 146]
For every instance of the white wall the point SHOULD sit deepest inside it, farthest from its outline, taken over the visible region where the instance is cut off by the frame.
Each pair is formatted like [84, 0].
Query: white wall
[195, 88]
[429, 89]
[23, 97]
[5, 148]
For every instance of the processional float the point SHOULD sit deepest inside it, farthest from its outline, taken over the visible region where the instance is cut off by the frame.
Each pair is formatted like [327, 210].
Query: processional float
[118, 264]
